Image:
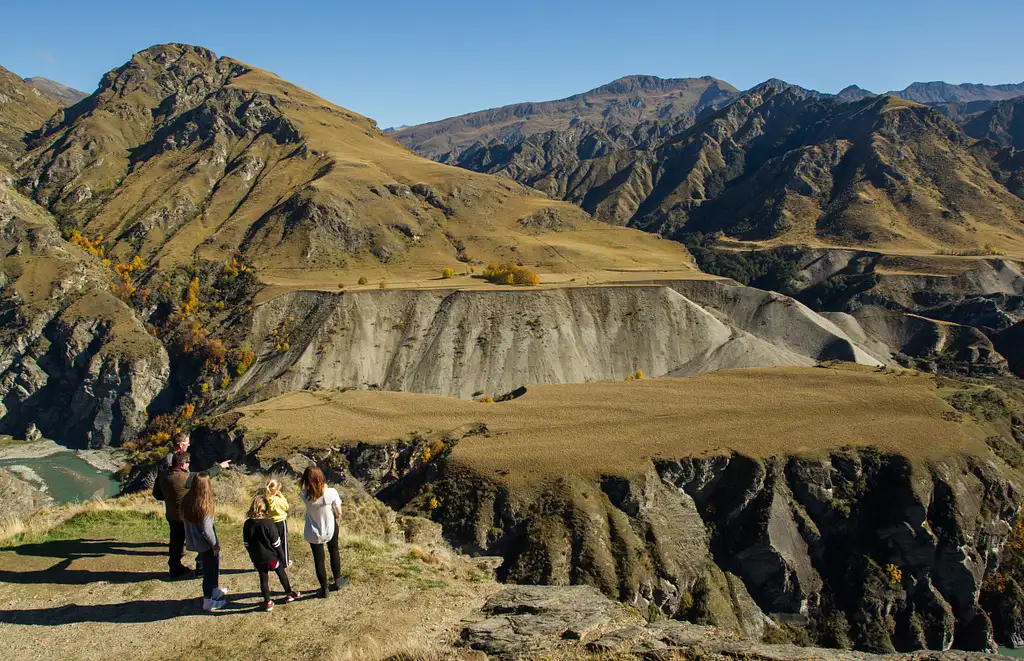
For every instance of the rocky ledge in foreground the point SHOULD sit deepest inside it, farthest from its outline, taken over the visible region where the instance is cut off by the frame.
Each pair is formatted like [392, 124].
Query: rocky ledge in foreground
[530, 621]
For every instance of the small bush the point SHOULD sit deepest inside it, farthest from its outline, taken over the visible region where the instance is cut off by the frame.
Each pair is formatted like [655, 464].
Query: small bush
[363, 280]
[383, 284]
[447, 272]
[510, 274]
[639, 376]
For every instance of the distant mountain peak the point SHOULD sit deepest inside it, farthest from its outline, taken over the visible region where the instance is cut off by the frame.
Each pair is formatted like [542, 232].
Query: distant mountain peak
[62, 94]
[645, 82]
[854, 93]
[937, 91]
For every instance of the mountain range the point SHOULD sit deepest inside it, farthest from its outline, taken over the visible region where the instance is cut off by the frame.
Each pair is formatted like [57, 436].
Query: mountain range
[777, 162]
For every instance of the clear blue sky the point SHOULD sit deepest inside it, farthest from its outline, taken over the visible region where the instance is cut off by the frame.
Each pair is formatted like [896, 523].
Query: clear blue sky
[403, 62]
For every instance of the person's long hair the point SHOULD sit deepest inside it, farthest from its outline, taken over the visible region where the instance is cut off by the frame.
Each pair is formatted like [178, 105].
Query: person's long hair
[257, 508]
[197, 504]
[313, 482]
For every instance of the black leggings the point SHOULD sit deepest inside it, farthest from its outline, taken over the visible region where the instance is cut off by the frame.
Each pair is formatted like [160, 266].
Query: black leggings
[318, 560]
[282, 576]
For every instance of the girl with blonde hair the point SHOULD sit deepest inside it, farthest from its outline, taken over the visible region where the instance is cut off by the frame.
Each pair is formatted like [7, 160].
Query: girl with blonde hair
[277, 511]
[266, 550]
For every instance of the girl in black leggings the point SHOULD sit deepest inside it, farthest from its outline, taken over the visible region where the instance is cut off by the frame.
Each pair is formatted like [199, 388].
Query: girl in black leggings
[266, 550]
[323, 511]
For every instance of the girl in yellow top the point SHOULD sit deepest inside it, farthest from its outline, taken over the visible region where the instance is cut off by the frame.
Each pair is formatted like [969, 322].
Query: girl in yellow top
[277, 511]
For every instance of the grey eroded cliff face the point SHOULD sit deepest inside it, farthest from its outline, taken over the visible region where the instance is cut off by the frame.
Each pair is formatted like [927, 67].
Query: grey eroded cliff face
[74, 360]
[980, 306]
[464, 343]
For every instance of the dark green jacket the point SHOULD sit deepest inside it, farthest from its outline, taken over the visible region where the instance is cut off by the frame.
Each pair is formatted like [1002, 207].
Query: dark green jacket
[172, 484]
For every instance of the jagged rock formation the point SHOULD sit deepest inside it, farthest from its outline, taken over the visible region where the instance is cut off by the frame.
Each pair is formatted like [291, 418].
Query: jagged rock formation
[806, 538]
[62, 94]
[22, 109]
[619, 105]
[1002, 124]
[74, 360]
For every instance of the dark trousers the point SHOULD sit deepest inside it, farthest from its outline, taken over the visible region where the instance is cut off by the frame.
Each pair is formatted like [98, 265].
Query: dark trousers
[318, 560]
[176, 547]
[211, 572]
[282, 576]
[282, 532]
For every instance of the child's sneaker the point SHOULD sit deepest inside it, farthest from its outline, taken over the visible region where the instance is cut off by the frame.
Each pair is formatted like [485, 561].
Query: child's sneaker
[212, 605]
[338, 584]
[268, 606]
[292, 596]
[219, 594]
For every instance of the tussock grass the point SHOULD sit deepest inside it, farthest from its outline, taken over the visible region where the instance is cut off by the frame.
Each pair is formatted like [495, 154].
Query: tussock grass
[618, 428]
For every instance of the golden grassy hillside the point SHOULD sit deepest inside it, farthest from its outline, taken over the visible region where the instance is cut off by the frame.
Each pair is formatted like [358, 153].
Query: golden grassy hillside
[22, 109]
[182, 154]
[617, 428]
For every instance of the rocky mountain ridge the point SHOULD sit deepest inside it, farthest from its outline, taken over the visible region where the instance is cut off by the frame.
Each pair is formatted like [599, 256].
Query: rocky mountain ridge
[779, 163]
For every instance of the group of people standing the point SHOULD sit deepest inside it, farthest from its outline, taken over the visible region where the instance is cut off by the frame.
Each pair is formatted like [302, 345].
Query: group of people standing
[189, 509]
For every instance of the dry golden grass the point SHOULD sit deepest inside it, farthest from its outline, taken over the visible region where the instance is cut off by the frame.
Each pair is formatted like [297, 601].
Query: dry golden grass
[345, 170]
[618, 427]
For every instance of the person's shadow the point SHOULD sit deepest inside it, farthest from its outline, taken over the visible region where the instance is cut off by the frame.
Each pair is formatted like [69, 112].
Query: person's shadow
[61, 573]
[129, 612]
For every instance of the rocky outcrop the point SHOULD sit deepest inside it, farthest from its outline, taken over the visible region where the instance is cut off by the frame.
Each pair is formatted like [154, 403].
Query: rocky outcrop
[74, 360]
[542, 621]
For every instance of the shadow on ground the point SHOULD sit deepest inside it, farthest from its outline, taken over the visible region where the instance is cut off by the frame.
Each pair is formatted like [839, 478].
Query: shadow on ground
[70, 550]
[128, 612]
[89, 548]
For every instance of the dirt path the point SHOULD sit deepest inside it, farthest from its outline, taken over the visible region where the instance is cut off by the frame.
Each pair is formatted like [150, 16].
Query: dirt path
[99, 597]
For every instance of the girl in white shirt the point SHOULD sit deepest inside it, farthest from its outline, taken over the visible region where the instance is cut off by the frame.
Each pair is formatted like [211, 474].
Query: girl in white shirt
[323, 511]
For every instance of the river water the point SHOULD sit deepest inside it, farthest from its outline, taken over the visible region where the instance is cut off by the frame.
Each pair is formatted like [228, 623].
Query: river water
[1017, 653]
[68, 478]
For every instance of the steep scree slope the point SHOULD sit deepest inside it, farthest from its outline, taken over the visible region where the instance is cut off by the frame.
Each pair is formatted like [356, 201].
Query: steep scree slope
[465, 343]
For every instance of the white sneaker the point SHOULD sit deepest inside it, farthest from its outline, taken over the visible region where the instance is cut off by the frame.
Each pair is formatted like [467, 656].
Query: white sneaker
[213, 604]
[219, 594]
